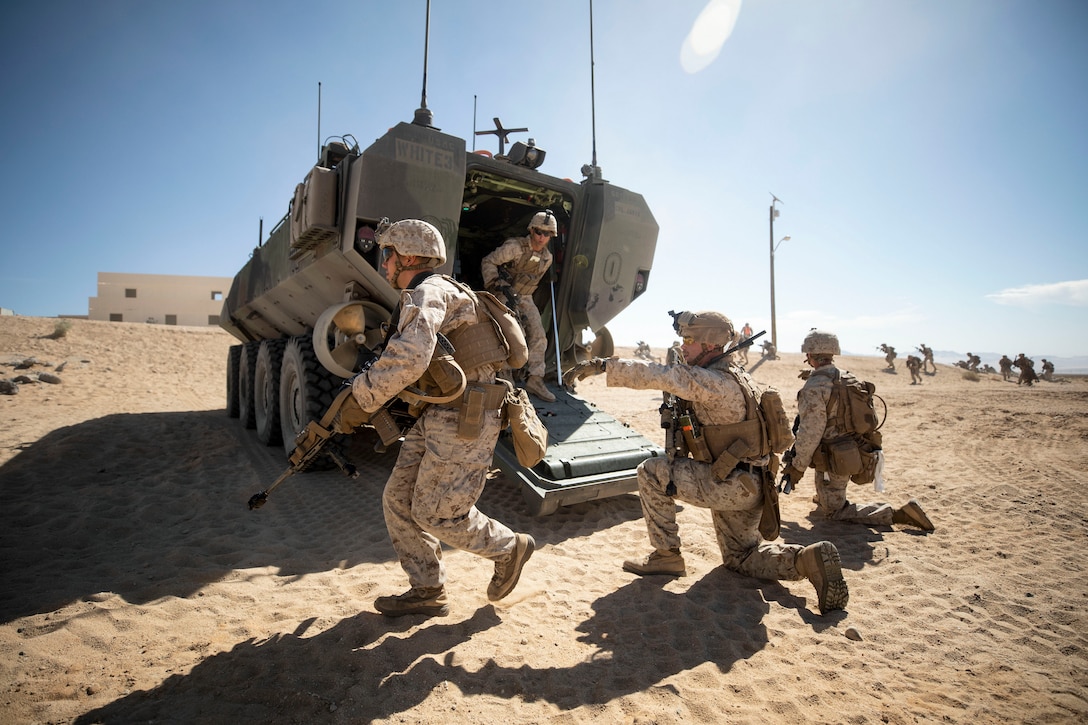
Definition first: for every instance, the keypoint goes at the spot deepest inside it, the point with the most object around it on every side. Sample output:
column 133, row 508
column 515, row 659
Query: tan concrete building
column 161, row 299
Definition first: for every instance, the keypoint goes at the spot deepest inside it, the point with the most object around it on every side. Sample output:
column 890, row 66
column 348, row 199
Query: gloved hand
column 584, row 369
column 791, row 477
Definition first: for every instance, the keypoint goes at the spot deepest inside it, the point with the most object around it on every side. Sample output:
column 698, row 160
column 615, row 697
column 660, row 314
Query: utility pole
column 774, row 329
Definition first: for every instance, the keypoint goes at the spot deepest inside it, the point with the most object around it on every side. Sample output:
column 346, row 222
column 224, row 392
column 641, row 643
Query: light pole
column 773, row 246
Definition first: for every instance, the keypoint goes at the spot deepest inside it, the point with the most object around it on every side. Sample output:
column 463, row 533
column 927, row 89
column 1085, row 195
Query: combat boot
column 819, row 563
column 429, row 601
column 911, row 514
column 535, row 385
column 508, row 569
column 661, row 561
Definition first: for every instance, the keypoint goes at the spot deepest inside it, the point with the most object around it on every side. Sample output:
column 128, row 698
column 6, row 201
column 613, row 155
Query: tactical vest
column 526, row 270
column 466, row 348
column 749, row 440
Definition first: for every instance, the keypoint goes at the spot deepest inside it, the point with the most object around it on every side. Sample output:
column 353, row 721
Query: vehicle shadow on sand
column 155, row 504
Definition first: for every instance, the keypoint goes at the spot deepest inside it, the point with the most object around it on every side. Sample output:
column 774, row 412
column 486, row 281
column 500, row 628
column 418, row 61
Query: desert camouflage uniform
column 736, row 503
column 927, row 354
column 817, row 426
column 914, row 364
column 526, row 267
column 431, row 494
column 1006, row 367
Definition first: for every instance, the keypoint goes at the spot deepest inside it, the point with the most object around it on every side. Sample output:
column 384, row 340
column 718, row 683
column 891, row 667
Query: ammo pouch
column 733, row 443
column 839, row 456
column 477, row 400
column 868, row 448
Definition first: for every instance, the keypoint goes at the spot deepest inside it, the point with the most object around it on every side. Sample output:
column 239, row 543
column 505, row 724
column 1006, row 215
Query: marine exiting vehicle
column 309, row 305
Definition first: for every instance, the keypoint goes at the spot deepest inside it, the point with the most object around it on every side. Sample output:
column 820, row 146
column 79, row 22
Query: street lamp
column 773, row 247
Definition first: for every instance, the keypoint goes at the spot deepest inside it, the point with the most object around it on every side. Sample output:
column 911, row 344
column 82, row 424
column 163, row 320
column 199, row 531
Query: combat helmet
column 820, row 342
column 544, row 220
column 707, row 326
column 415, row 237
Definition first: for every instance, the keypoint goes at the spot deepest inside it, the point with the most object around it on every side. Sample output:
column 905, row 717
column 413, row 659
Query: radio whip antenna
column 319, row 120
column 592, row 89
column 423, row 116
column 591, row 171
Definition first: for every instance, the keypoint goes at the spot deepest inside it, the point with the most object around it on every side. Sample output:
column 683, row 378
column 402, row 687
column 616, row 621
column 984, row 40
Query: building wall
column 162, row 299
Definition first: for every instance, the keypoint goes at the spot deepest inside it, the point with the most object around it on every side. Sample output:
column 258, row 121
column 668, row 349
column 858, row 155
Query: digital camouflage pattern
column 736, row 503
column 818, row 424
column 435, row 305
column 526, row 268
column 431, row 494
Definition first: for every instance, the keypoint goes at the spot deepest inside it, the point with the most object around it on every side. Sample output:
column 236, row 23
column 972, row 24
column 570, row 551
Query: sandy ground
column 138, row 587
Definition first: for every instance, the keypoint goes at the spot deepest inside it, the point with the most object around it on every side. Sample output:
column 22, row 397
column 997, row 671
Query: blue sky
column 930, row 155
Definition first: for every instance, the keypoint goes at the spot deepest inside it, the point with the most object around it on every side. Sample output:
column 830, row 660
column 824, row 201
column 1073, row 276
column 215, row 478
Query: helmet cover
column 820, row 342
column 544, row 220
column 707, row 326
column 415, row 237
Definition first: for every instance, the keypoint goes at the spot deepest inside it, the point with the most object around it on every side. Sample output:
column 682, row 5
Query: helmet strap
column 708, row 356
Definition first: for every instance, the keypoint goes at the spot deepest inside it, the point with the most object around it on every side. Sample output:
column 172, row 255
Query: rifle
column 744, row 343
column 343, row 416
column 787, row 460
column 508, row 292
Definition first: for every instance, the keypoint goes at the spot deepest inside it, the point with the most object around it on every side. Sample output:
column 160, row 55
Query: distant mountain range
column 1077, row 365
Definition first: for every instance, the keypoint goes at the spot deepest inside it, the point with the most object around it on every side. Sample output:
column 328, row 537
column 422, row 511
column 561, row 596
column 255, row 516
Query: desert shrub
column 971, row 375
column 60, row 330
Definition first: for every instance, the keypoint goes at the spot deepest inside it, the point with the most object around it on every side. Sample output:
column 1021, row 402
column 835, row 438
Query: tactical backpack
column 855, row 453
column 857, row 404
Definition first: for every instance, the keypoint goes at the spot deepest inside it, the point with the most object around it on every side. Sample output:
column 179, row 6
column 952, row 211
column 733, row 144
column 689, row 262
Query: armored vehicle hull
column 311, row 298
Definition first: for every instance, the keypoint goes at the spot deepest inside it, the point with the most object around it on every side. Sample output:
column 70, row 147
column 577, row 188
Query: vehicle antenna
column 591, row 171
column 319, row 120
column 592, row 89
column 474, row 122
column 423, row 116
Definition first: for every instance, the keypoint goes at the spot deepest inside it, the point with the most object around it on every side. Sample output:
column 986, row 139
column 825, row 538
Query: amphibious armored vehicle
column 311, row 297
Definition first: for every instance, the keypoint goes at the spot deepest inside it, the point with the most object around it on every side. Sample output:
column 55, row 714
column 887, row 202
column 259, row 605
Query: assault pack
column 856, row 403
column 852, row 407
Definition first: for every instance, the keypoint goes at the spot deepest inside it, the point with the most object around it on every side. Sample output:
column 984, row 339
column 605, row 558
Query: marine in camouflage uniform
column 927, row 358
column 821, row 420
column 914, row 364
column 1027, row 370
column 431, row 495
column 889, row 355
column 717, row 399
column 523, row 261
column 1005, row 363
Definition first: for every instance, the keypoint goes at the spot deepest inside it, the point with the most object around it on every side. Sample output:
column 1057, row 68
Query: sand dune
column 138, row 587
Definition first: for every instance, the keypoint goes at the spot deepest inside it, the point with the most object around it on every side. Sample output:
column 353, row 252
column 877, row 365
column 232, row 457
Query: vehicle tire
column 247, row 363
column 307, row 389
column 266, row 387
column 233, row 355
